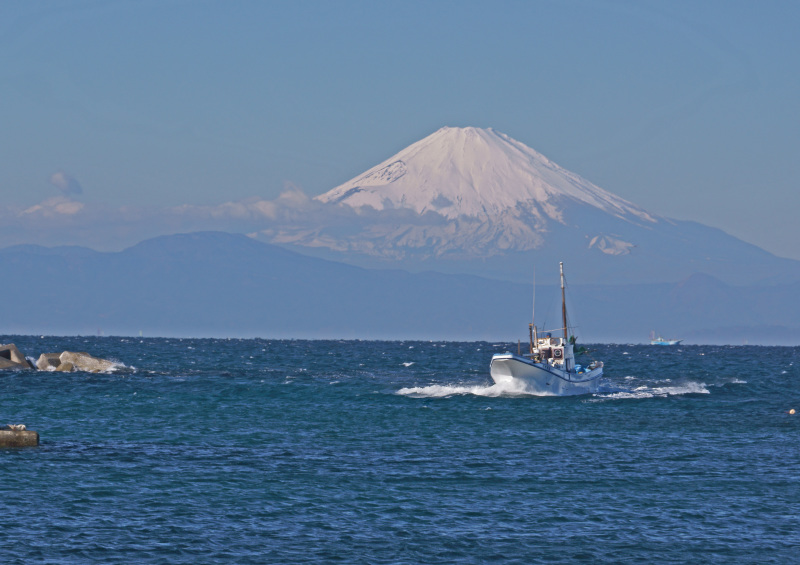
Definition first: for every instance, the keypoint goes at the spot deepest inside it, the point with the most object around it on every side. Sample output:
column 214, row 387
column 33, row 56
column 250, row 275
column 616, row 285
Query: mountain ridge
column 212, row 284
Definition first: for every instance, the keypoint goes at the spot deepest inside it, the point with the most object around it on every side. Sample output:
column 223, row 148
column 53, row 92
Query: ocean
column 289, row 451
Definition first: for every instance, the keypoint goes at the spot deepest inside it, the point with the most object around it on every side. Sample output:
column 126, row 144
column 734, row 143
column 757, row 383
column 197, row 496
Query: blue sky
column 689, row 109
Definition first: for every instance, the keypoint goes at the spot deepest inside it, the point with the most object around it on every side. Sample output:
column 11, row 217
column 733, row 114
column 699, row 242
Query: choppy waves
column 282, row 451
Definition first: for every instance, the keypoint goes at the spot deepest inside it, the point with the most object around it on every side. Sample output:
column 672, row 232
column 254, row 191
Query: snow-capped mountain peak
column 476, row 173
column 471, row 200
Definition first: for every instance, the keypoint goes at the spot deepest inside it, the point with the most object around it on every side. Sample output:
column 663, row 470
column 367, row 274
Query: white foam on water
column 657, row 391
column 121, row 365
column 117, row 366
column 444, row 391
column 495, row 390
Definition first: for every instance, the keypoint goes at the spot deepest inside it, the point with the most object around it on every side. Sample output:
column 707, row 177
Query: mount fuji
column 475, row 201
column 459, row 203
column 477, row 173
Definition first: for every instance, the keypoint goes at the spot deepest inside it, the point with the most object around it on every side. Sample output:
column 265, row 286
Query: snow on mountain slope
column 476, row 173
column 471, row 200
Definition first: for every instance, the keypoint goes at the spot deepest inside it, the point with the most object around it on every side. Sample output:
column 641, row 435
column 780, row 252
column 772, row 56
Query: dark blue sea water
column 265, row 451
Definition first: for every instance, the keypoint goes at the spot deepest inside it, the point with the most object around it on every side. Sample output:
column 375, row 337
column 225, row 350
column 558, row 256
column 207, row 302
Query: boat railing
column 550, row 331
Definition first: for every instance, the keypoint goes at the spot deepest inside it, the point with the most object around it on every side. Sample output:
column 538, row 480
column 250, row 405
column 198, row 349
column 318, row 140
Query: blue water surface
column 271, row 451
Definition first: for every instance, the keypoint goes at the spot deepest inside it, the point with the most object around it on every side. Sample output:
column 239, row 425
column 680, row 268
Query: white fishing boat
column 549, row 368
column 661, row 341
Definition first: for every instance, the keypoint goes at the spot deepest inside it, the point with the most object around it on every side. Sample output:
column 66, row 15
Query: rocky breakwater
column 73, row 361
column 11, row 358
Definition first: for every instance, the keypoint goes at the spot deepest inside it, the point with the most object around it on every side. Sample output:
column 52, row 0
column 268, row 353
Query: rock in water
column 48, row 361
column 7, row 364
column 82, row 361
column 18, row 436
column 12, row 358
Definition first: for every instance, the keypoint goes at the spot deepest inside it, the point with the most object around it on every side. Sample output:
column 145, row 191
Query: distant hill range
column 470, row 200
column 219, row 284
column 437, row 242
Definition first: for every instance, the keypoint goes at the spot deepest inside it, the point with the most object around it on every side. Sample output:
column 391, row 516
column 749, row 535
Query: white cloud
column 66, row 183
column 61, row 220
column 292, row 201
column 55, row 206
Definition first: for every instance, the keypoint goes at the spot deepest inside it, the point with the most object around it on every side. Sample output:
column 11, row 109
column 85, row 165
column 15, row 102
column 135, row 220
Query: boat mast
column 530, row 337
column 563, row 303
column 532, row 325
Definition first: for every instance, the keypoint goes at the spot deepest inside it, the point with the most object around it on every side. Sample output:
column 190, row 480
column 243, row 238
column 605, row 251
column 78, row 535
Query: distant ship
column 661, row 341
column 549, row 367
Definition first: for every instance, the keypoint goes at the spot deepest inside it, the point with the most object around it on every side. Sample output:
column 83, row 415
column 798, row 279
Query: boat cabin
column 554, row 351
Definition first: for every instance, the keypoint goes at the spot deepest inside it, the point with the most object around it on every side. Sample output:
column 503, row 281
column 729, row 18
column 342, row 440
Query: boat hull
column 524, row 375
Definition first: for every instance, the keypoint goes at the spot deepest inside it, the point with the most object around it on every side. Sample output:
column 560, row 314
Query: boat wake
column 444, row 391
column 645, row 391
column 606, row 392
